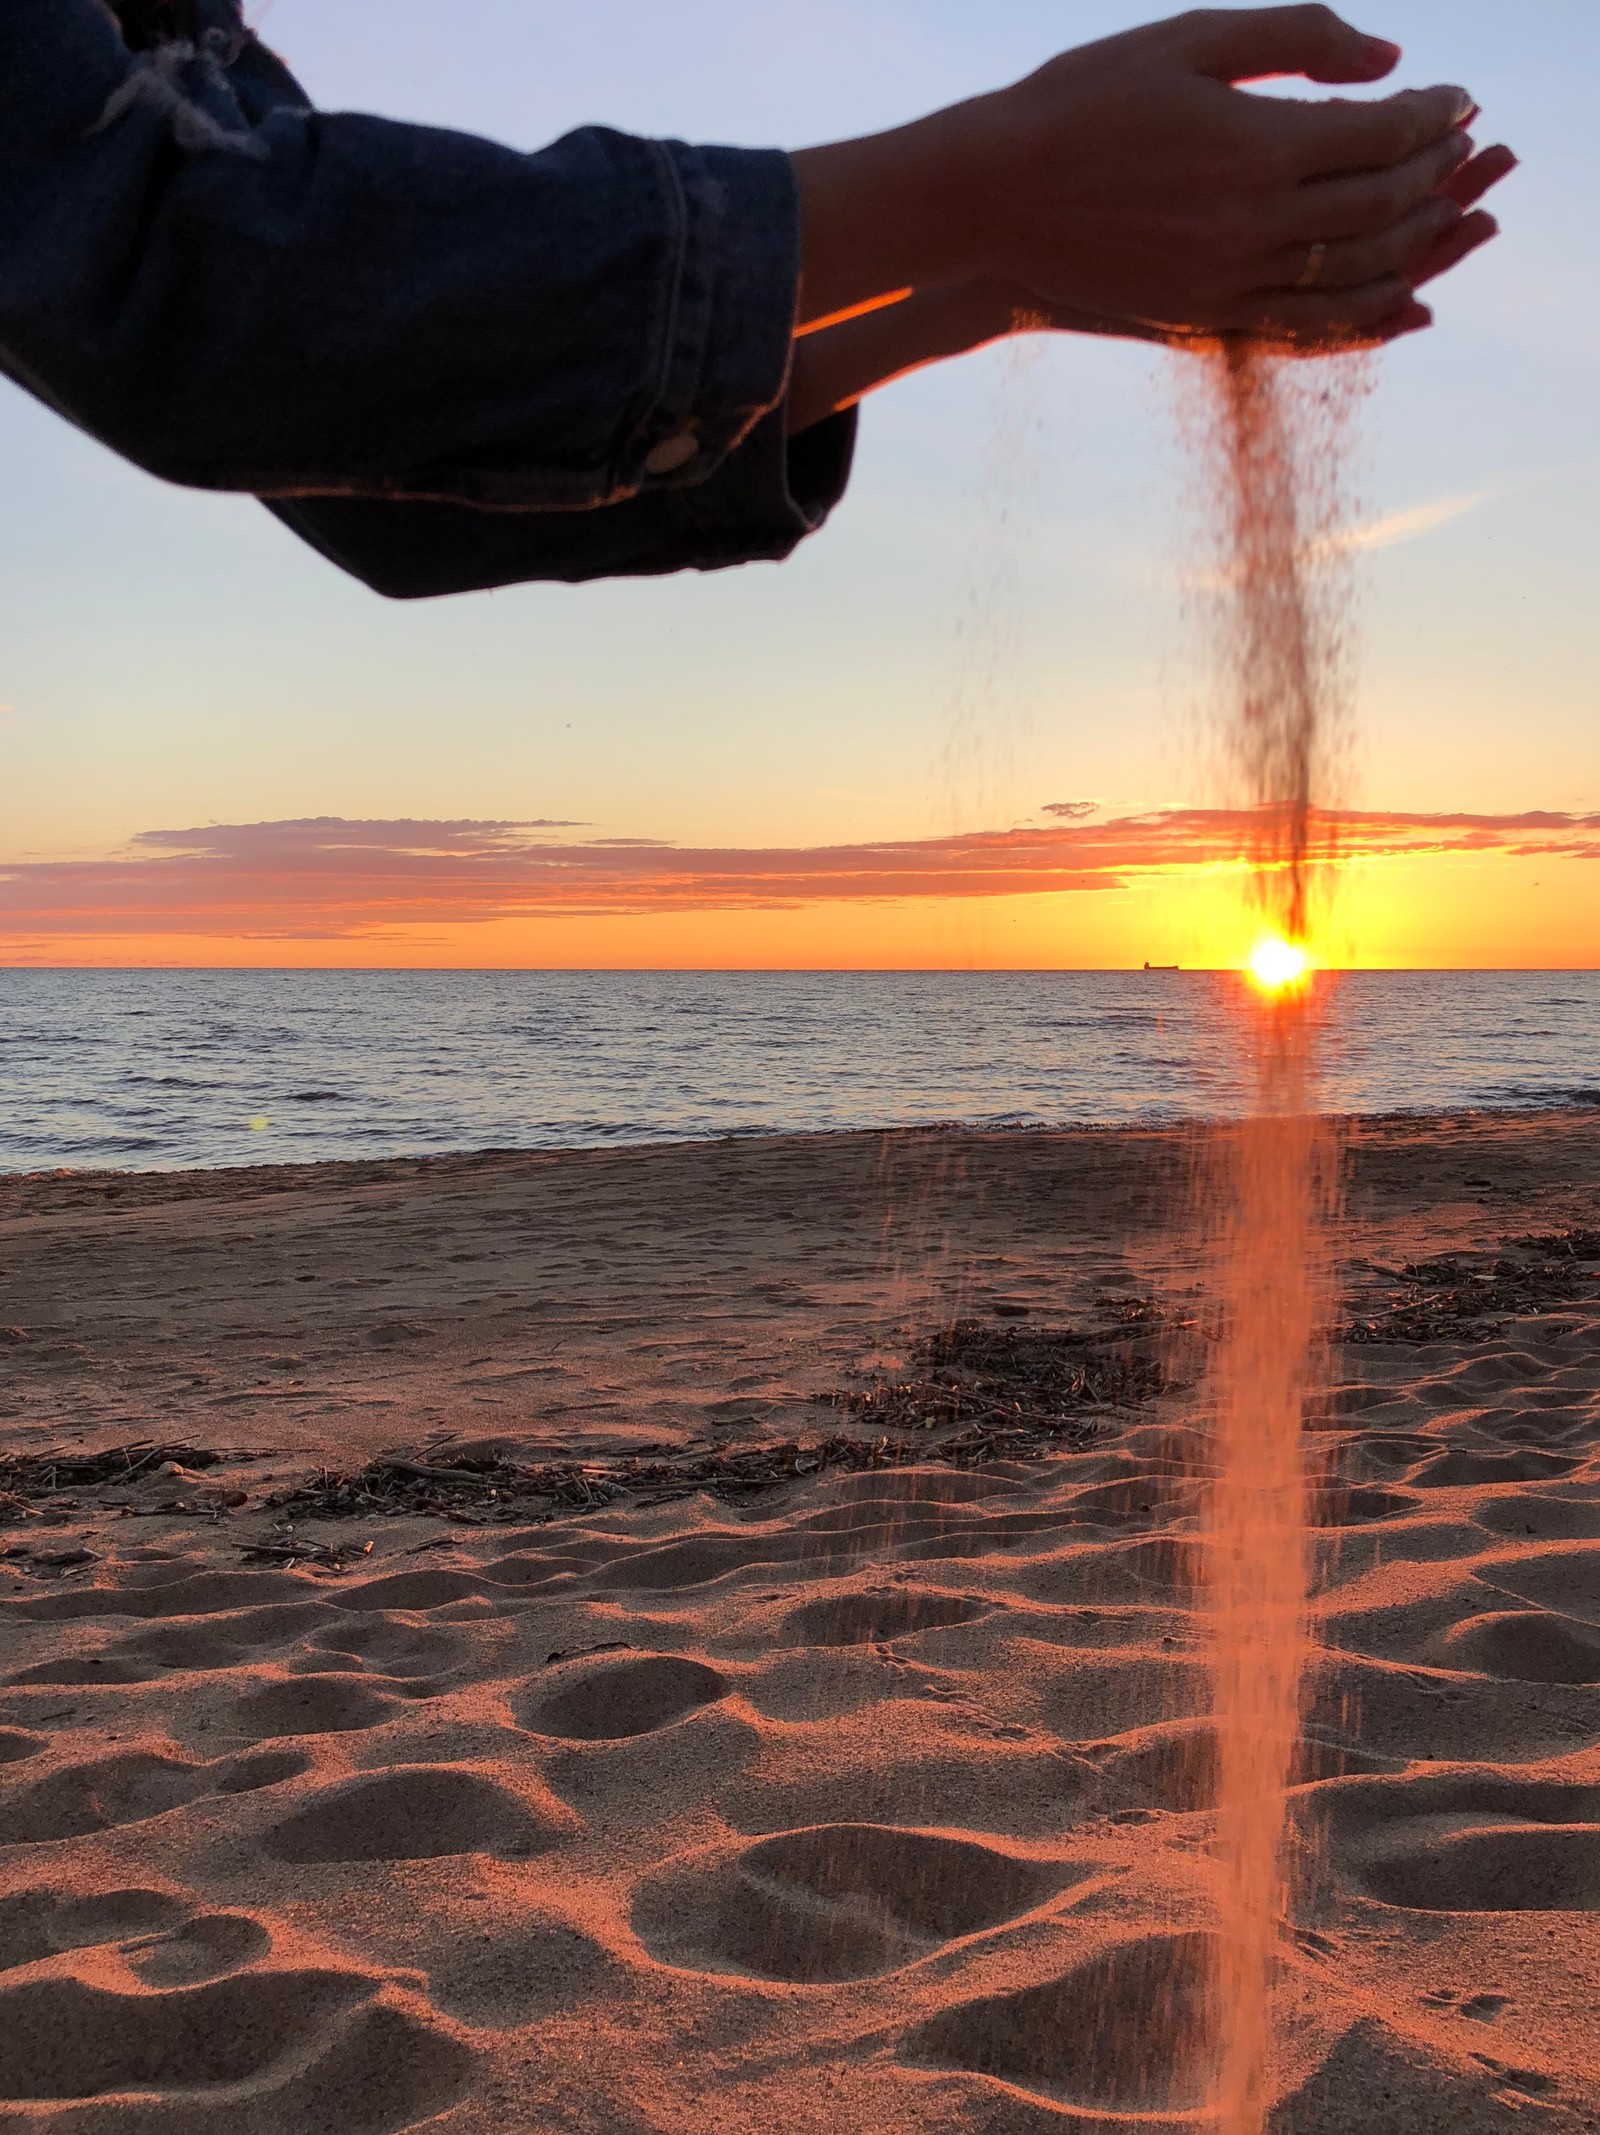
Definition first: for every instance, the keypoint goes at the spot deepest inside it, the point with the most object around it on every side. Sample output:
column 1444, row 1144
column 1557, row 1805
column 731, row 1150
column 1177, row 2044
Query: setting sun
column 1276, row 963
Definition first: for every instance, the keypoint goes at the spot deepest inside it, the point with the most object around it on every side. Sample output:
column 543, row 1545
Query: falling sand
column 1275, row 463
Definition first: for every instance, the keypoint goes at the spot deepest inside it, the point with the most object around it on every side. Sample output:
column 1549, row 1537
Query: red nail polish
column 1380, row 51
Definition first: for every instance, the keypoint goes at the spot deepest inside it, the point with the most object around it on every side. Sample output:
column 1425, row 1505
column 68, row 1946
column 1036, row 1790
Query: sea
column 163, row 1070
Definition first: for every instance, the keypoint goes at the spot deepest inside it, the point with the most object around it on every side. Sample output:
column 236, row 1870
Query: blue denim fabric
column 442, row 361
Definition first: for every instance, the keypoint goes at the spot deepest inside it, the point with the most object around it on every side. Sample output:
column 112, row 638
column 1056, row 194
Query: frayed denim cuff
column 730, row 323
column 769, row 493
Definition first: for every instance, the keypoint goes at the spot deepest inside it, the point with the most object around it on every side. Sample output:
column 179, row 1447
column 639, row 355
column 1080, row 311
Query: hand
column 837, row 367
column 1457, row 235
column 1133, row 180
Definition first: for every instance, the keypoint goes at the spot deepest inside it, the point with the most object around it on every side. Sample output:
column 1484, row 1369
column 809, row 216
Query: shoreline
column 609, row 1298
column 298, row 1170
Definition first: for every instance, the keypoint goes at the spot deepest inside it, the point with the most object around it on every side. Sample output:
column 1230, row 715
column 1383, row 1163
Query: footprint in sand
column 1533, row 1515
column 42, row 1921
column 82, row 1668
column 417, row 1813
column 269, row 1768
column 16, row 1745
column 620, row 1698
column 80, row 1799
column 279, row 2052
column 1463, row 1467
column 1421, row 2088
column 189, row 1593
column 387, row 1647
column 207, row 1947
column 836, row 1902
column 84, row 1798
column 539, row 1968
column 878, row 1616
column 1504, row 1869
column 409, row 1590
column 160, row 1943
column 313, row 1705
column 1124, row 2032
column 1360, row 1506
column 1526, row 1646
column 1563, row 1579
column 227, row 1641
column 1471, row 1843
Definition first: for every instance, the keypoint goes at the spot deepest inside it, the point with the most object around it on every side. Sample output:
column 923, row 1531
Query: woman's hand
column 1133, row 181
column 839, row 365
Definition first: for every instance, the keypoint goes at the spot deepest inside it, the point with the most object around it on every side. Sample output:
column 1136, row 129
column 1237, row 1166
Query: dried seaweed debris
column 1035, row 1381
column 1467, row 1297
column 977, row 1393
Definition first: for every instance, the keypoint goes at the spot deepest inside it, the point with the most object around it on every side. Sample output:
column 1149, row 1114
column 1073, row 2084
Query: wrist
column 888, row 212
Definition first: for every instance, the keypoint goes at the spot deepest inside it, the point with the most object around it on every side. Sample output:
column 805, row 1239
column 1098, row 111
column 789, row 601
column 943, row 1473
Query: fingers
column 1329, row 139
column 1354, row 261
column 1452, row 248
column 1255, row 44
column 1329, row 208
column 1468, row 185
column 1412, row 318
column 1325, row 318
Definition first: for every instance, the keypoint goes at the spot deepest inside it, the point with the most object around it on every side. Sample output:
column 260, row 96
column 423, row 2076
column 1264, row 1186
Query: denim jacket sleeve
column 767, row 495
column 238, row 292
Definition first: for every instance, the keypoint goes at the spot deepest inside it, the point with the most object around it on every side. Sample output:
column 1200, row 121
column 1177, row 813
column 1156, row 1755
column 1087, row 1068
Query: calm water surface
column 155, row 1070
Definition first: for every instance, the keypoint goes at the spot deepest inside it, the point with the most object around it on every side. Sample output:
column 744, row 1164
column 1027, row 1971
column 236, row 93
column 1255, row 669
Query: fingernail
column 1380, row 51
column 1467, row 117
column 1466, row 108
column 1459, row 148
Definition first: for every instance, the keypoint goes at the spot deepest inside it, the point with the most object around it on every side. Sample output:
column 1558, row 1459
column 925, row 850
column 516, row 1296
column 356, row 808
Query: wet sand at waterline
column 874, row 1798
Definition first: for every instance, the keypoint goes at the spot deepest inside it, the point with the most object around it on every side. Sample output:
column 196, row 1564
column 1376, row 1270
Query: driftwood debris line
column 972, row 1394
column 1468, row 1297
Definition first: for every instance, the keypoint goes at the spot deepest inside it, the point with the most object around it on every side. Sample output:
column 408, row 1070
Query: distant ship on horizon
column 1162, row 967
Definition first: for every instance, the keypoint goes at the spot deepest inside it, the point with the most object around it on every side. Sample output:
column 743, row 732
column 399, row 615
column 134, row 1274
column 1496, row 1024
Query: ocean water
column 158, row 1070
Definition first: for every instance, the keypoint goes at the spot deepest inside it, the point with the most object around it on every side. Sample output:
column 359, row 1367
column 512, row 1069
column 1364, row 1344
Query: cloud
column 1389, row 532
column 1071, row 811
column 1397, row 527
column 326, row 879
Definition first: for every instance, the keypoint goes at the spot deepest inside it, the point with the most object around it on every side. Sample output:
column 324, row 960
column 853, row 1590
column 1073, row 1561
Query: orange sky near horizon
column 1011, row 607
column 333, row 895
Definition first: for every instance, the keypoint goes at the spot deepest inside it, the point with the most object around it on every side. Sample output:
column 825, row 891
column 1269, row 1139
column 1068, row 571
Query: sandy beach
column 646, row 1760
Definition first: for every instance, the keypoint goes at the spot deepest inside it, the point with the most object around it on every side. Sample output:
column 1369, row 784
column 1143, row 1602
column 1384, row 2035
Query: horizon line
column 813, row 970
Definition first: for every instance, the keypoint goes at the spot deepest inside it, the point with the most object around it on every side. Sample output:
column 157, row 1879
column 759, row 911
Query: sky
column 963, row 726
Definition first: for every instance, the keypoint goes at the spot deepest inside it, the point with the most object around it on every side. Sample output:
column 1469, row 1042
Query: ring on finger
column 1311, row 273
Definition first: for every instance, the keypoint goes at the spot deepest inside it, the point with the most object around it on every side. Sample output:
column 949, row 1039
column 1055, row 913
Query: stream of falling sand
column 1275, row 468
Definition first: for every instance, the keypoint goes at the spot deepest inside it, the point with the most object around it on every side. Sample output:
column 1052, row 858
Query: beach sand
column 865, row 1801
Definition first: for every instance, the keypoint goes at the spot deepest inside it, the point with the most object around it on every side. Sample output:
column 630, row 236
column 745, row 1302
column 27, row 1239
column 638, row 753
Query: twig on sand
column 288, row 1551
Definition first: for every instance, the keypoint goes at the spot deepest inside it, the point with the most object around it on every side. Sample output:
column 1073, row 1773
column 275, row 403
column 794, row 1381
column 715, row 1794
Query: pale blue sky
column 171, row 659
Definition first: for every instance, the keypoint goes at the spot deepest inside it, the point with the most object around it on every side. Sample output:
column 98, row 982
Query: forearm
column 839, row 365
column 835, row 368
column 887, row 213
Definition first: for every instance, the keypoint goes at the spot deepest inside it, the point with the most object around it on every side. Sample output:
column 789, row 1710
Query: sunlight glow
column 1276, row 964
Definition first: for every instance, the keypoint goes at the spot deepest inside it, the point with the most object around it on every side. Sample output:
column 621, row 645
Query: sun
column 1276, row 964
